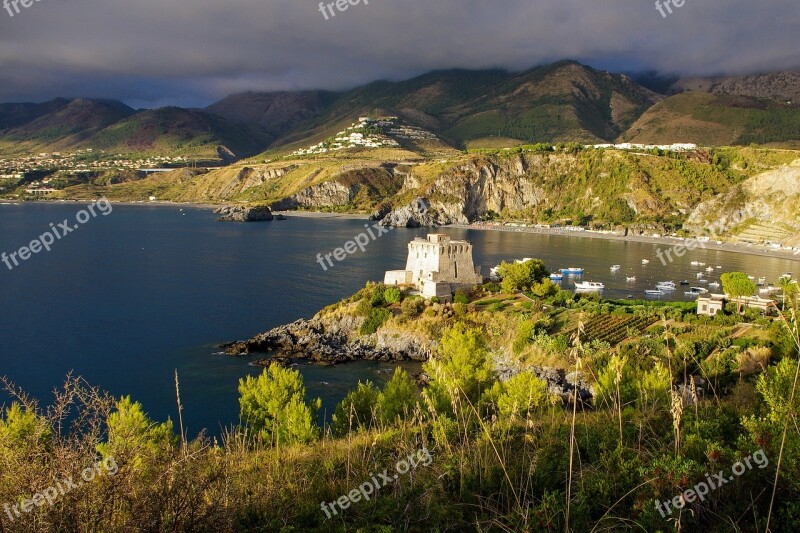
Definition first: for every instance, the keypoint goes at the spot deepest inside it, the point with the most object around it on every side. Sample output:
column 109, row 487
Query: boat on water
column 768, row 289
column 751, row 278
column 696, row 291
column 656, row 292
column 702, row 281
column 666, row 286
column 615, row 267
column 695, row 263
column 645, row 262
column 556, row 277
column 719, row 267
column 701, row 264
column 685, row 282
column 787, row 275
column 710, row 269
column 630, row 278
column 572, row 271
column 589, row 286
column 714, row 285
column 700, row 274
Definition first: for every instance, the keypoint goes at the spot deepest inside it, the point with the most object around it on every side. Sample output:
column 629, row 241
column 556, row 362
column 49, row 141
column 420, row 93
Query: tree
column 273, row 406
column 788, row 288
column 461, row 369
column 737, row 285
column 398, row 398
column 521, row 395
column 392, row 295
column 519, row 276
column 356, row 410
column 134, row 438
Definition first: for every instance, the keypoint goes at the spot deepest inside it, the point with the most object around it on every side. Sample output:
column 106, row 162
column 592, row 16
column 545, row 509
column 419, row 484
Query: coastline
column 665, row 242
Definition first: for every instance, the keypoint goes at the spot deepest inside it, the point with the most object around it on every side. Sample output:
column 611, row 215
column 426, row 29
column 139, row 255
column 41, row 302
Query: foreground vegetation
column 676, row 397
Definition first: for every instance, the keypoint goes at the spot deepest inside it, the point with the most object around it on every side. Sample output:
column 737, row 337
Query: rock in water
column 240, row 213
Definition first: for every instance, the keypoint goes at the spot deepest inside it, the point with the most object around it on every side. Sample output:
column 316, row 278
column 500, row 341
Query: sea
column 128, row 298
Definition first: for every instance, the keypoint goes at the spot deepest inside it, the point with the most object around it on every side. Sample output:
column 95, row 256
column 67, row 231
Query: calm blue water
column 131, row 296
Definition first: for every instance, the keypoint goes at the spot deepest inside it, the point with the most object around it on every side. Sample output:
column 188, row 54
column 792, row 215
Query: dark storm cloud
column 190, row 52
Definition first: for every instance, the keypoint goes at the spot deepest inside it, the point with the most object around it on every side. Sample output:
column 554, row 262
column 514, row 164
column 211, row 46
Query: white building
column 437, row 266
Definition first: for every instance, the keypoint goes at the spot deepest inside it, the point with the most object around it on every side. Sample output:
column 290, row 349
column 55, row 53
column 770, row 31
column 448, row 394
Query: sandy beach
column 664, row 242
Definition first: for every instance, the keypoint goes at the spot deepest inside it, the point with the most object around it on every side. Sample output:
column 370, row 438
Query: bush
column 356, row 410
column 461, row 297
column 273, row 406
column 398, row 398
column 521, row 395
column 376, row 318
column 412, row 307
column 392, row 295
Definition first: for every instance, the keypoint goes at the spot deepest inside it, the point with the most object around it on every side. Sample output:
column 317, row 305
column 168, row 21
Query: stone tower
column 437, row 266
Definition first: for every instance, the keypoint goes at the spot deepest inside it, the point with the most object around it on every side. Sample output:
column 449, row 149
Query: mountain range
column 560, row 102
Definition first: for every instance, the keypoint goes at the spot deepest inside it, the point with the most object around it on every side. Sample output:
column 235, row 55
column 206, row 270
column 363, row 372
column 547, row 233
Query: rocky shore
column 328, row 342
column 240, row 213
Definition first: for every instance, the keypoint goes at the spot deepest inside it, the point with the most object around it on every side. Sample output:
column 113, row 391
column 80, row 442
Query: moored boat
column 589, row 286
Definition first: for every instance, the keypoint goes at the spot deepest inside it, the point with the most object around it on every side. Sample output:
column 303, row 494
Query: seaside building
column 437, row 266
column 712, row 304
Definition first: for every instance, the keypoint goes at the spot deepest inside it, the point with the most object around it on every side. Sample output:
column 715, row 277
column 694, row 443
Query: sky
column 190, row 53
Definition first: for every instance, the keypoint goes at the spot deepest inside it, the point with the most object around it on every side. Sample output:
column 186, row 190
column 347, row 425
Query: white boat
column 696, row 291
column 694, row 263
column 645, row 262
column 701, row 264
column 666, row 286
column 768, row 289
column 630, row 278
column 719, row 267
column 710, row 269
column 751, row 278
column 615, row 267
column 702, row 281
column 654, row 293
column 788, row 275
column 589, row 286
column 700, row 274
column 714, row 285
column 556, row 277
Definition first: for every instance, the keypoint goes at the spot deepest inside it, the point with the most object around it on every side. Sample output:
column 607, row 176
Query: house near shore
column 711, row 304
column 437, row 267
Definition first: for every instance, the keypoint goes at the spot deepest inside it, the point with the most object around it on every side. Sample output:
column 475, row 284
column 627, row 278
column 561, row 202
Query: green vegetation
column 676, row 396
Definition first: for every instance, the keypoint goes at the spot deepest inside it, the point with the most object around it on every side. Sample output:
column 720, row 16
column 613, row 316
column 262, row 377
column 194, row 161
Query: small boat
column 696, row 291
column 719, row 267
column 645, row 262
column 768, row 289
column 700, row 274
column 685, row 282
column 695, row 263
column 654, row 292
column 702, row 281
column 589, row 286
column 710, row 269
column 666, row 286
column 630, row 278
column 701, row 264
column 556, row 277
column 751, row 278
column 614, row 268
column 714, row 285
column 572, row 271
column 787, row 275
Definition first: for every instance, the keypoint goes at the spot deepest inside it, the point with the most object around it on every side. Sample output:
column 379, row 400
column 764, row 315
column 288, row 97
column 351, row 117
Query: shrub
column 133, row 438
column 376, row 318
column 398, row 398
column 392, row 295
column 462, row 367
column 356, row 410
column 461, row 297
column 273, row 406
column 412, row 307
column 523, row 394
